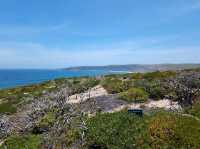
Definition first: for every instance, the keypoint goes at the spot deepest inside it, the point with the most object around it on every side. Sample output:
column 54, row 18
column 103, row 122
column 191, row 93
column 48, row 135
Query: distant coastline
column 21, row 77
column 136, row 67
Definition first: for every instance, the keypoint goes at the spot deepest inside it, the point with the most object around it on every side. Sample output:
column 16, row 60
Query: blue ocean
column 13, row 78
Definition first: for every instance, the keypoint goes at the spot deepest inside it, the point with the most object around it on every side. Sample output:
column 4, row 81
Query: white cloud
column 30, row 55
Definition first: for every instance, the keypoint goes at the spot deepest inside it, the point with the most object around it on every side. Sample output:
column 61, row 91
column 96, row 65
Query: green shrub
column 117, row 131
column 7, row 108
column 90, row 82
column 156, row 92
column 174, row 131
column 83, row 84
column 22, row 142
column 194, row 110
column 159, row 75
column 113, row 85
column 137, row 76
column 134, row 94
column 158, row 130
column 154, row 75
column 157, row 89
column 47, row 120
column 72, row 136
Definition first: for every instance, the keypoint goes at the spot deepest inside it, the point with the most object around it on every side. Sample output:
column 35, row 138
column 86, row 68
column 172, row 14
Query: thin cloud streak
column 38, row 56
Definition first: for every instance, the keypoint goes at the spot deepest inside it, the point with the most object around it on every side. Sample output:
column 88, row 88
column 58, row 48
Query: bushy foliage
column 13, row 98
column 116, row 131
column 155, row 88
column 154, row 75
column 194, row 110
column 187, row 88
column 159, row 75
column 82, row 84
column 134, row 95
column 113, row 85
column 22, row 142
column 7, row 108
column 72, row 135
column 174, row 131
column 159, row 130
column 48, row 120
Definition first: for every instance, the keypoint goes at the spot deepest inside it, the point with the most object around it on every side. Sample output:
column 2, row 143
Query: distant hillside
column 137, row 67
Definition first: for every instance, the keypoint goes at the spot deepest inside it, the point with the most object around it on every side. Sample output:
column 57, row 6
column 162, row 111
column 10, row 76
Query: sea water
column 13, row 78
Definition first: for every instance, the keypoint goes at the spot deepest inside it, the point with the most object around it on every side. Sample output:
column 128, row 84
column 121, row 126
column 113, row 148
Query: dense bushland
column 11, row 99
column 68, row 125
column 181, row 86
column 159, row 130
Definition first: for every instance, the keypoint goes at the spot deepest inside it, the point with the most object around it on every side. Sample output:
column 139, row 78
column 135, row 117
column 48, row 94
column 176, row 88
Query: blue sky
column 62, row 33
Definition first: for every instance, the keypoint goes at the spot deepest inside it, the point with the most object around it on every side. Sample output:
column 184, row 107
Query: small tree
column 187, row 88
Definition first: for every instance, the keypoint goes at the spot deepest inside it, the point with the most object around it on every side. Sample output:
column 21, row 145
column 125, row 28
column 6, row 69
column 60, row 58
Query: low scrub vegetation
column 194, row 110
column 67, row 125
column 7, row 108
column 47, row 121
column 159, row 130
column 134, row 95
column 113, row 85
column 21, row 142
column 174, row 131
column 182, row 86
column 117, row 130
column 11, row 99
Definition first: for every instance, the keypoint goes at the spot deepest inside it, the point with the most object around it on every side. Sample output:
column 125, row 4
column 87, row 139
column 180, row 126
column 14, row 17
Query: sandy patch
column 92, row 93
column 165, row 104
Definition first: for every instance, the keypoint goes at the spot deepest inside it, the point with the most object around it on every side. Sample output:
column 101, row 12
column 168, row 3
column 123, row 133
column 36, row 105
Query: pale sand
column 92, row 93
column 165, row 104
column 100, row 91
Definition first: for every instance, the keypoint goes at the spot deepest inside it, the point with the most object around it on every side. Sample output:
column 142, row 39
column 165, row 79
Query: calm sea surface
column 13, row 78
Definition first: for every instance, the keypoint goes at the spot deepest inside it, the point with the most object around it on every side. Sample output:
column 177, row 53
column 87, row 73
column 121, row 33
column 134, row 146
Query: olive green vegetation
column 159, row 130
column 158, row 75
column 134, row 95
column 72, row 136
column 79, row 85
column 113, row 85
column 21, row 142
column 7, row 108
column 117, row 130
column 48, row 119
column 193, row 69
column 174, row 131
column 11, row 99
column 153, row 83
column 157, row 89
column 194, row 110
